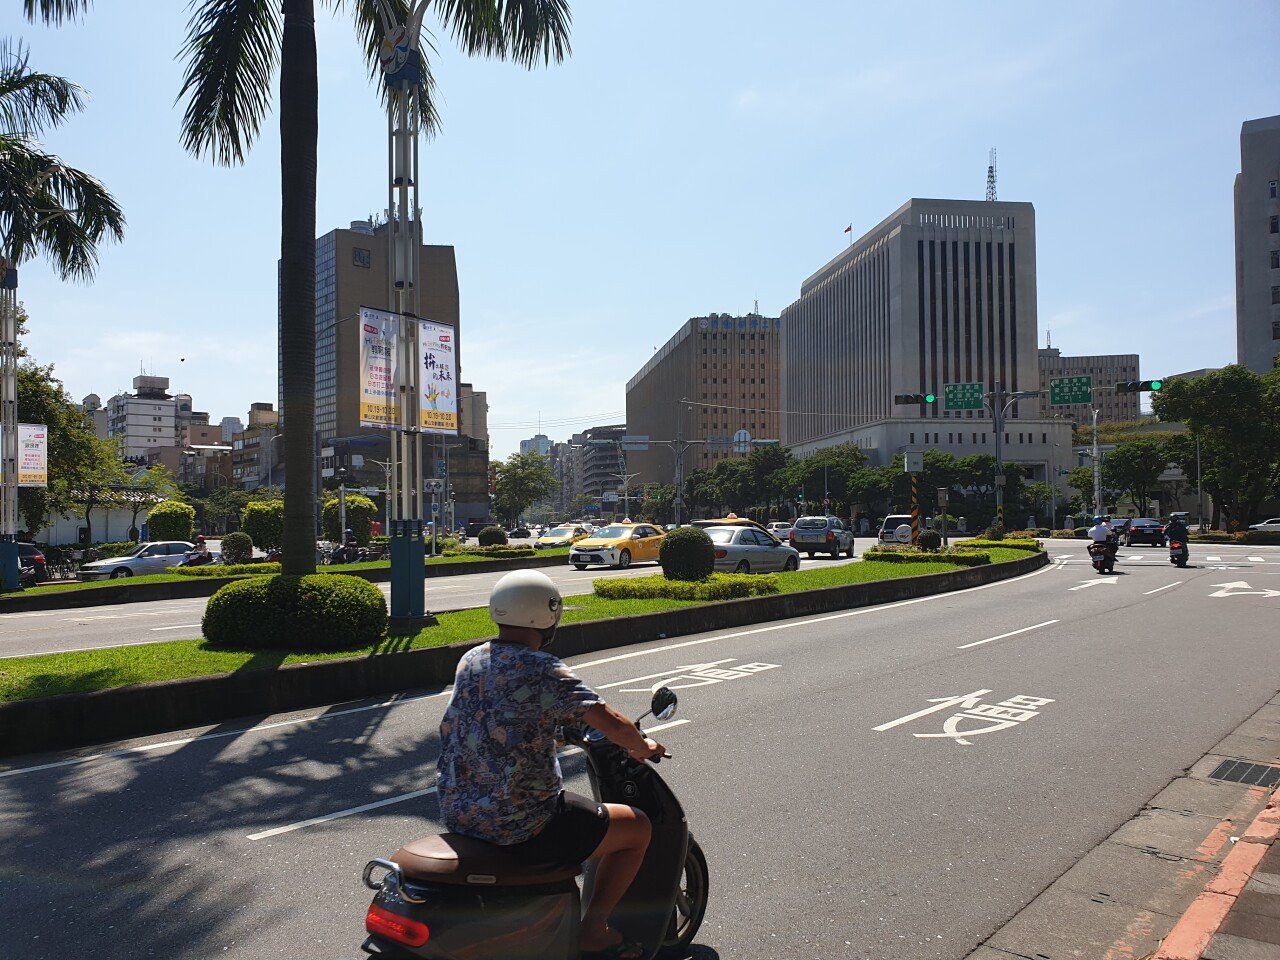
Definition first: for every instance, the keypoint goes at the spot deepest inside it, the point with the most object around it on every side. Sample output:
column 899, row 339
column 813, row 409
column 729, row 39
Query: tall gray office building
column 941, row 292
column 1257, row 198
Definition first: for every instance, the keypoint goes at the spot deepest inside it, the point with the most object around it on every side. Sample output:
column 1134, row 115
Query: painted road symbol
column 1086, row 584
column 996, row 716
column 1241, row 589
column 693, row 675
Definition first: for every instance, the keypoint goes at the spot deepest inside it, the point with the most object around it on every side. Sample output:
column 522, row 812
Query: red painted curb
column 1190, row 936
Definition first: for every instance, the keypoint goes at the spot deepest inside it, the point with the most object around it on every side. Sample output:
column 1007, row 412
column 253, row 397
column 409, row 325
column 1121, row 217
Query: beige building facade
column 1106, row 370
column 727, row 369
column 1257, row 209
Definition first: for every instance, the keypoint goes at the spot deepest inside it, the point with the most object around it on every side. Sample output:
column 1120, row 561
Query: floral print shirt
column 499, row 777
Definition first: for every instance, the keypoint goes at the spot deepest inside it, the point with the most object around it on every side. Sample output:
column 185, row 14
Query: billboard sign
column 33, row 455
column 378, row 339
column 438, row 376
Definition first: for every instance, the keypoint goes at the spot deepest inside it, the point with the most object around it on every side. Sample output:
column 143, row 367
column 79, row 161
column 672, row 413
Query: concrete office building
column 351, row 271
column 539, row 443
column 941, row 291
column 96, row 416
column 1106, row 370
column 1257, row 201
column 143, row 420
column 598, row 465
column 230, row 427
column 256, row 456
column 728, row 369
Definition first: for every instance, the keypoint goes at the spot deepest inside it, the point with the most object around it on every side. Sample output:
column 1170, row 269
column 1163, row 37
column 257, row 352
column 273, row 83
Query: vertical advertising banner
column 438, row 385
column 33, row 455
column 378, row 329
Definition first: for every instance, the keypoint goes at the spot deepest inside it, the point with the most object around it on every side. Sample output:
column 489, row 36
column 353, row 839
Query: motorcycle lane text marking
column 996, row 716
column 693, row 675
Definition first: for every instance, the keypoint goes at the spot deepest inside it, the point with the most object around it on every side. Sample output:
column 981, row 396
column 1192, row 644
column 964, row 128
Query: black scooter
column 1178, row 553
column 450, row 897
column 1103, row 555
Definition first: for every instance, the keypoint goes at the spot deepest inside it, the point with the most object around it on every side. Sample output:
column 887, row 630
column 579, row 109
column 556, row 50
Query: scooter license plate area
column 500, row 923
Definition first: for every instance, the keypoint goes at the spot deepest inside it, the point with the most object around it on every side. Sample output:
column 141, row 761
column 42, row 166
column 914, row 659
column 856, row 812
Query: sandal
column 626, row 950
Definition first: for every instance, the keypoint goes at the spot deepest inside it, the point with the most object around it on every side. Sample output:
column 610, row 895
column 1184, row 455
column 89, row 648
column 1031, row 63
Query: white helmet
column 525, row 598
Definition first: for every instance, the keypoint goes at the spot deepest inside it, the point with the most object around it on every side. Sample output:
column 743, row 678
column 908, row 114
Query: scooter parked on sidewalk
column 1103, row 554
column 1178, row 553
column 449, row 897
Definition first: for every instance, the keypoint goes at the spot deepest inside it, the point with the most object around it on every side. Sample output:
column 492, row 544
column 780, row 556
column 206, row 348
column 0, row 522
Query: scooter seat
column 451, row 858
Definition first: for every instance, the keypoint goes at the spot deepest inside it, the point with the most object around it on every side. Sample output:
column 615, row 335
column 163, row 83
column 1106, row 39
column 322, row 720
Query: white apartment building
column 145, row 420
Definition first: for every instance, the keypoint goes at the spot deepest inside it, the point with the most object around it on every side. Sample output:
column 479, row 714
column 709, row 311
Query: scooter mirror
column 664, row 703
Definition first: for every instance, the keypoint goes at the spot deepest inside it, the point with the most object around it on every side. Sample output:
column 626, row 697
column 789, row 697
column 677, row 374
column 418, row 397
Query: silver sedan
column 751, row 550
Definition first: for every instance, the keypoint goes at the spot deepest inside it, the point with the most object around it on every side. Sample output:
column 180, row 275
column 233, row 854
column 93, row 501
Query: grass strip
column 46, row 675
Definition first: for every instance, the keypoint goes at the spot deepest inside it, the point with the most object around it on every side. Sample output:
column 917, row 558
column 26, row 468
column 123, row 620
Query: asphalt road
column 111, row 625
column 859, row 789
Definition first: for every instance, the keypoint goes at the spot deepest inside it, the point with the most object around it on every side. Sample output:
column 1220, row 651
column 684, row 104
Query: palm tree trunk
column 298, row 137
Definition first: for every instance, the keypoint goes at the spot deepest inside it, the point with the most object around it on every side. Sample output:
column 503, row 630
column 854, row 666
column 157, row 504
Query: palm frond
column 232, row 49
column 524, row 31
column 53, row 12
column 371, row 20
column 32, row 102
column 51, row 208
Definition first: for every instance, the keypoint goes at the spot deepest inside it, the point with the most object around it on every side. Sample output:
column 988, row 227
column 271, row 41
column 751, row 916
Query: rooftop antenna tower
column 991, row 175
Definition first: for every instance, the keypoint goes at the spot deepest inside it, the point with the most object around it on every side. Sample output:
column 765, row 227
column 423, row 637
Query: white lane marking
column 577, row 666
column 1214, row 559
column 147, row 748
column 1165, row 587
column 181, row 626
column 1086, row 584
column 1256, row 559
column 940, row 703
column 1242, row 589
column 1014, row 633
column 803, row 623
column 401, row 798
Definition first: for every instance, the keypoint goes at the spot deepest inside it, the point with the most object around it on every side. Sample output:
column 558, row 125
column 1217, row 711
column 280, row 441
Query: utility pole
column 342, row 505
column 996, row 402
column 1097, row 467
column 625, row 479
column 9, row 424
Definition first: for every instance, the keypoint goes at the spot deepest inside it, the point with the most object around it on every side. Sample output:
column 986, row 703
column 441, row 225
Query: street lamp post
column 995, row 402
column 387, row 467
column 625, row 479
column 342, row 505
column 271, row 470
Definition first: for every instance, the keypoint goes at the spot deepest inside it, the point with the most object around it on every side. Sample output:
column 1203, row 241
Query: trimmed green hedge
column 227, row 569
column 491, row 553
column 718, row 586
column 492, row 536
column 322, row 611
column 970, row 558
column 1259, row 538
column 1031, row 546
column 687, row 553
column 171, row 520
column 237, row 548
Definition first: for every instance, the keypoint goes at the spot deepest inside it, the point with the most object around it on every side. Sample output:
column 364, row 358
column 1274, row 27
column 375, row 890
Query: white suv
column 888, row 529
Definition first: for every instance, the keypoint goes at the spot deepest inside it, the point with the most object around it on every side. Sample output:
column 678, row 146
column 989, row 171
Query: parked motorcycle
column 1178, row 553
column 450, row 897
column 1103, row 555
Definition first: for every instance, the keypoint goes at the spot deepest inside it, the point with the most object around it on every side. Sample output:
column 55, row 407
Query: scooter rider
column 1176, row 529
column 1102, row 533
column 499, row 777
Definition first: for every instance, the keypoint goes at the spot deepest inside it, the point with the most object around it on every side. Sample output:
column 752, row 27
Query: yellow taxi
column 561, row 536
column 617, row 545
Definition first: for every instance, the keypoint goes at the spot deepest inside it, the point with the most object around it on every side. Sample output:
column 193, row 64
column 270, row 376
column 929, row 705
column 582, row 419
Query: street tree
column 701, row 493
column 1134, row 468
column 263, row 521
column 147, row 488
column 825, row 472
column 232, row 50
column 522, row 479
column 735, row 480
column 1235, row 414
column 101, row 482
column 361, row 512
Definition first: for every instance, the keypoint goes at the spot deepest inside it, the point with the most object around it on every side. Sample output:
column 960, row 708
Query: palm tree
column 46, row 206
column 231, row 51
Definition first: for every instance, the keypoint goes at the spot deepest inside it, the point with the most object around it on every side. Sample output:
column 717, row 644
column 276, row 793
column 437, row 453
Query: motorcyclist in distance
column 1176, row 529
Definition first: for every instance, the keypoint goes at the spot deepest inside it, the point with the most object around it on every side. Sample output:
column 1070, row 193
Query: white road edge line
column 1012, row 633
column 412, row 795
column 1165, row 587
column 181, row 626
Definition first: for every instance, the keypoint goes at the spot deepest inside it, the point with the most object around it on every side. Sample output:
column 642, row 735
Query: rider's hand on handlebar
column 653, row 751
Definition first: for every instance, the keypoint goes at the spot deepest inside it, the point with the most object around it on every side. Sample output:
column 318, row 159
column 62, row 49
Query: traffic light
column 914, row 398
column 1138, row 386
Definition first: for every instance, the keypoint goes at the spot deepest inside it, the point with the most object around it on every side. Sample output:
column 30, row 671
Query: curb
column 208, row 586
column 1191, row 935
column 80, row 719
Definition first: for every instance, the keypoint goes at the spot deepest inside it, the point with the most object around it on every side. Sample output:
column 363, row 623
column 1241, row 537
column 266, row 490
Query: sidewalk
column 1237, row 917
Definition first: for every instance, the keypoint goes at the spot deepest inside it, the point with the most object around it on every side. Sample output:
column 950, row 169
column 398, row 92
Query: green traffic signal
column 1156, row 384
column 929, row 398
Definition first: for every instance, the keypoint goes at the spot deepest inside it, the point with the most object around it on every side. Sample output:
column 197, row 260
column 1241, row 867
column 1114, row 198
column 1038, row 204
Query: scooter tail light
column 381, row 922
column 721, row 554
column 1176, row 545
column 830, row 535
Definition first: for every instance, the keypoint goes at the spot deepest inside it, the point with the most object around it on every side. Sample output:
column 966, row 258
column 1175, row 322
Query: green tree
column 700, row 491
column 1134, row 468
column 522, row 479
column 361, row 512
column 100, row 483
column 1039, row 497
column 171, row 520
column 1236, row 415
column 736, row 483
column 580, row 506
column 145, row 489
column 263, row 521
column 825, row 471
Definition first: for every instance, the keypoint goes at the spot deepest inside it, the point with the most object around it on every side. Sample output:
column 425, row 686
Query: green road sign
column 1067, row 391
column 962, row 396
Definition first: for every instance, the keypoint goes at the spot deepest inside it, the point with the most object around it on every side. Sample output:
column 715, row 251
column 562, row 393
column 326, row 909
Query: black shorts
column 570, row 836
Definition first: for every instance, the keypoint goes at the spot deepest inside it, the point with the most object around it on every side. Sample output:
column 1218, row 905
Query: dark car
column 29, row 555
column 1141, row 530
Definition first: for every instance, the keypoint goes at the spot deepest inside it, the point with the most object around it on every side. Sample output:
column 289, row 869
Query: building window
column 1275, row 329
column 1275, row 259
column 1275, row 224
column 913, row 438
column 1271, row 188
column 1275, row 294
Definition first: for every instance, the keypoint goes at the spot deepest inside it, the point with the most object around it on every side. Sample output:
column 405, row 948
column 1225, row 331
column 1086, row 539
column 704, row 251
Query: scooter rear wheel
column 691, row 906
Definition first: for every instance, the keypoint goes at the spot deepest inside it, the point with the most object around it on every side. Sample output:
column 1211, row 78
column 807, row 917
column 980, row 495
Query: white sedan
column 751, row 550
column 1272, row 525
column 147, row 558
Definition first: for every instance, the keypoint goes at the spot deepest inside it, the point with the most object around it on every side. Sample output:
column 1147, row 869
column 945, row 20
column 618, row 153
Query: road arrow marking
column 1241, row 589
column 1086, row 584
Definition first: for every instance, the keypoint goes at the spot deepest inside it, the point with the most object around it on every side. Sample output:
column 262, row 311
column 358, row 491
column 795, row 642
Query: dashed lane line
column 1012, row 633
column 1165, row 587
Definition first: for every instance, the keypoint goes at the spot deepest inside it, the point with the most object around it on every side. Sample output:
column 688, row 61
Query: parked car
column 617, row 545
column 518, row 532
column 732, row 520
column 1272, row 525
column 822, row 535
column 147, row 558
column 29, row 555
column 748, row 549
column 1140, row 530
column 560, row 537
column 779, row 528
column 888, row 529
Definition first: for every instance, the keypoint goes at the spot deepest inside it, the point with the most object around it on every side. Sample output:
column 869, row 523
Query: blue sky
column 688, row 158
